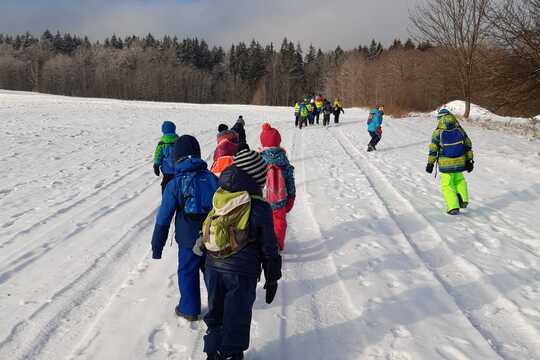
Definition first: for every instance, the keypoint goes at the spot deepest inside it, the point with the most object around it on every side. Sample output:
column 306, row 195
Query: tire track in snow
column 30, row 336
column 425, row 241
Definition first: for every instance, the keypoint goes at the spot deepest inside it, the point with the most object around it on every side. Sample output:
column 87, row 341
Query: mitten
column 156, row 169
column 429, row 168
column 271, row 290
column 469, row 166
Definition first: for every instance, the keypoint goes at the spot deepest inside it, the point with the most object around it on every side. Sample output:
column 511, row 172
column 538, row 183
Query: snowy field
column 373, row 268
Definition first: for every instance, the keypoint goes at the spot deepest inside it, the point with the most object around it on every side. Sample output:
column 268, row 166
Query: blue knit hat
column 186, row 145
column 443, row 112
column 168, row 128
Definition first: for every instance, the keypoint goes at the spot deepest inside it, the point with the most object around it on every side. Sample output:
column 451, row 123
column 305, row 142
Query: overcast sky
column 325, row 23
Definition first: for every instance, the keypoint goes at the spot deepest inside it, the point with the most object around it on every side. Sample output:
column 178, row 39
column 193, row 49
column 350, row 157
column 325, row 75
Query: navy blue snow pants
column 230, row 304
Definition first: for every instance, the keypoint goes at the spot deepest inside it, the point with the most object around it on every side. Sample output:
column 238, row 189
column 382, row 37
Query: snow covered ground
column 373, row 268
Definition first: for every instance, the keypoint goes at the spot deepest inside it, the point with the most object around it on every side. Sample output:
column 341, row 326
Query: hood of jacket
column 190, row 164
column 234, row 179
column 447, row 122
column 225, row 148
column 275, row 155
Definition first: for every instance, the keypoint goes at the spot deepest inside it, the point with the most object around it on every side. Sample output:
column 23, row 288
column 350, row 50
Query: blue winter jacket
column 278, row 156
column 375, row 120
column 264, row 249
column 187, row 230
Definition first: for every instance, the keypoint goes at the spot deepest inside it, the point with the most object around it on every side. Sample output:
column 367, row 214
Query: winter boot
column 237, row 356
column 453, row 212
column 370, row 148
column 462, row 204
column 190, row 318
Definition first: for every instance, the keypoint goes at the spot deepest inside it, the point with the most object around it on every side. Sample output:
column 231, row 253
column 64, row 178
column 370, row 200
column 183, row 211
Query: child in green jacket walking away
column 451, row 148
column 163, row 155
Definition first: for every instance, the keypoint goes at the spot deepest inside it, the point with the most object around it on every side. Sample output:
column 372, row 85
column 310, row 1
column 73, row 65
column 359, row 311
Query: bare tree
column 458, row 26
column 515, row 28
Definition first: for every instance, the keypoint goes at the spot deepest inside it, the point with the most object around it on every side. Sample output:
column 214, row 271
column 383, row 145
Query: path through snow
column 373, row 268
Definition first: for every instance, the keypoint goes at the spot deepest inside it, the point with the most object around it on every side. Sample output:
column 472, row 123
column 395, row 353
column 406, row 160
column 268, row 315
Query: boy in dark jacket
column 239, row 128
column 232, row 281
column 327, row 111
column 187, row 155
column 163, row 153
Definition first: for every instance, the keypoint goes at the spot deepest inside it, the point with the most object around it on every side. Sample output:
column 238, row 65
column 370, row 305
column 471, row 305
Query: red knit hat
column 270, row 137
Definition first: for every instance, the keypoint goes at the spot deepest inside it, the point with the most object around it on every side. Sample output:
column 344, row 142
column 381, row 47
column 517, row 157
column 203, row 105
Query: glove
column 469, row 165
column 272, row 269
column 198, row 248
column 290, row 204
column 429, row 168
column 271, row 290
column 156, row 169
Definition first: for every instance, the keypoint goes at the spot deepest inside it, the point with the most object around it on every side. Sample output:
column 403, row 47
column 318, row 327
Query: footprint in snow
column 401, row 332
column 399, row 355
column 451, row 353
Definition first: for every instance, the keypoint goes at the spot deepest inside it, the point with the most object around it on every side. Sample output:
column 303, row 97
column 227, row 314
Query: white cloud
column 323, row 23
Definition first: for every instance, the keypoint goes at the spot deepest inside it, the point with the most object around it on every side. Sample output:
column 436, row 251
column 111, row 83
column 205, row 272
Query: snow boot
column 370, row 148
column 462, row 204
column 453, row 212
column 238, row 356
column 190, row 318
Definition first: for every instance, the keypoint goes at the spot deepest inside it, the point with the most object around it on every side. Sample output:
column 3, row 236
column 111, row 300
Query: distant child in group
column 451, row 149
column 163, row 155
column 227, row 147
column 328, row 109
column 374, row 123
column 188, row 197
column 280, row 190
column 239, row 239
column 338, row 110
column 303, row 112
column 239, row 128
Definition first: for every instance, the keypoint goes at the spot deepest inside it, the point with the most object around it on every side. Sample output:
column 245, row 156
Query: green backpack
column 225, row 230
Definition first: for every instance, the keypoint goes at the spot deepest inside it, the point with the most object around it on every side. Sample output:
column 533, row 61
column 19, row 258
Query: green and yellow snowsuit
column 453, row 183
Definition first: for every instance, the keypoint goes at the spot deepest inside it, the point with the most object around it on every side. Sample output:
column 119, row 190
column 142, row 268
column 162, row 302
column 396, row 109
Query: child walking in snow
column 374, row 122
column 280, row 191
column 163, row 155
column 239, row 239
column 226, row 148
column 188, row 197
column 451, row 149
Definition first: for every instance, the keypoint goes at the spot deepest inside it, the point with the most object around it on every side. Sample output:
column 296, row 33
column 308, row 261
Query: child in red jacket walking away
column 280, row 190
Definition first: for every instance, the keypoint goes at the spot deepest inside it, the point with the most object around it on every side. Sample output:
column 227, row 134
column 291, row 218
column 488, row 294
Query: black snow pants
column 374, row 138
column 230, row 304
column 326, row 120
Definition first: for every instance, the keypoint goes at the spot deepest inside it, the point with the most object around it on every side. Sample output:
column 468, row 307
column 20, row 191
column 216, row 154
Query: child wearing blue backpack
column 163, row 155
column 451, row 149
column 188, row 197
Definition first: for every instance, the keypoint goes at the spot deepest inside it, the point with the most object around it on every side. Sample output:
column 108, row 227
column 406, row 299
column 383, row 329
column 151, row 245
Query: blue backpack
column 452, row 143
column 168, row 163
column 196, row 191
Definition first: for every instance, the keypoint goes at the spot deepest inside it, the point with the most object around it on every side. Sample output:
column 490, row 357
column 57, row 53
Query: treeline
column 404, row 76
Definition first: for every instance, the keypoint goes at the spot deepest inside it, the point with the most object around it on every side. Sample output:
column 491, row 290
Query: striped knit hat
column 252, row 163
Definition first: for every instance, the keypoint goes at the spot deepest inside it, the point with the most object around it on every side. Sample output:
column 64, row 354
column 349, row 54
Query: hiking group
column 230, row 224
column 231, row 218
column 308, row 111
